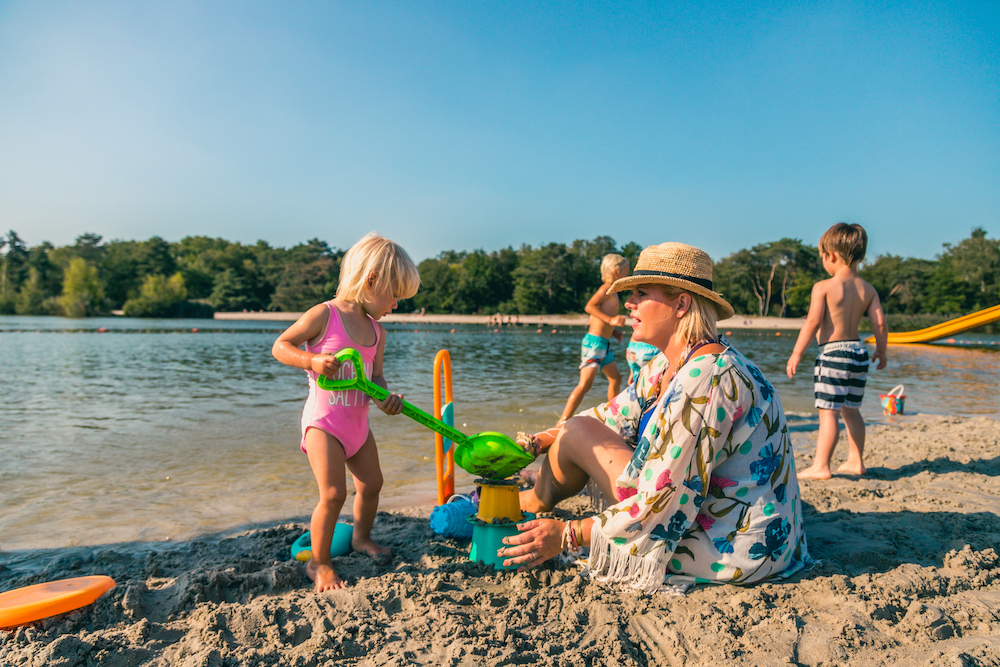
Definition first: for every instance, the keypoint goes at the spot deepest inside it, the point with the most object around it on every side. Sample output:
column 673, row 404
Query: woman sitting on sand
column 696, row 452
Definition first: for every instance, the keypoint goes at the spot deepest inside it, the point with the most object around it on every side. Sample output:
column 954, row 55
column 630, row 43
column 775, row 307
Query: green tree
column 976, row 262
column 33, row 298
column 541, row 282
column 304, row 284
column 13, row 269
column 159, row 296
column 81, row 295
column 120, row 272
column 900, row 282
column 772, row 278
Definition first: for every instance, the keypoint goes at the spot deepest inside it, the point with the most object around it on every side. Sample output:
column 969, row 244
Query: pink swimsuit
column 342, row 414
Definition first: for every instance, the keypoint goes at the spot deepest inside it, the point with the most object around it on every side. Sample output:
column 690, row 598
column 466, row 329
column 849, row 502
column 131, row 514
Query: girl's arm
column 393, row 404
column 287, row 349
column 817, row 306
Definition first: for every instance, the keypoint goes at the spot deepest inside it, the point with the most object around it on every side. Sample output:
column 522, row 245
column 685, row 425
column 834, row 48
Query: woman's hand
column 538, row 541
column 325, row 364
column 392, row 405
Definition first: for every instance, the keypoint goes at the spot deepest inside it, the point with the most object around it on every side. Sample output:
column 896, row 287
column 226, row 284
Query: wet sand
column 909, row 575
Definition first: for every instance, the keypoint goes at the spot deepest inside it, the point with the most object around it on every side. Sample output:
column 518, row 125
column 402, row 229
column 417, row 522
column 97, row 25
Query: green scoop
column 488, row 454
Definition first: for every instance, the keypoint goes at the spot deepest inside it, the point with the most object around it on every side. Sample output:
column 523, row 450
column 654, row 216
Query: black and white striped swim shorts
column 840, row 374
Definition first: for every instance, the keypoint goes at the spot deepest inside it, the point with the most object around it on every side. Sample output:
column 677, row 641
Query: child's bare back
column 608, row 305
column 847, row 297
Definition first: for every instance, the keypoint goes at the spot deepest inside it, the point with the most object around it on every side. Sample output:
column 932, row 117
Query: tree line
column 200, row 275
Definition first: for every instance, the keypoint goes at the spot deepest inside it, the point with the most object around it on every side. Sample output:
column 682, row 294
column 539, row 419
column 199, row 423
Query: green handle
column 362, row 384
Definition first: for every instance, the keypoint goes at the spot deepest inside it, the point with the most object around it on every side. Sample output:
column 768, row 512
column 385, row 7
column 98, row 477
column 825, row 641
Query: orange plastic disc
column 33, row 603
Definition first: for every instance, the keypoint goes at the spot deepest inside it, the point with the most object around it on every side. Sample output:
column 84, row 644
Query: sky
column 467, row 125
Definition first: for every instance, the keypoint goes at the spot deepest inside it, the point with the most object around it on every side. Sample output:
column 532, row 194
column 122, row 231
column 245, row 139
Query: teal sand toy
column 340, row 545
column 487, row 539
column 488, row 454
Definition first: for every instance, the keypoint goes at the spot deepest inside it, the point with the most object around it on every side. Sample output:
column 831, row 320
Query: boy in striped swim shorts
column 835, row 310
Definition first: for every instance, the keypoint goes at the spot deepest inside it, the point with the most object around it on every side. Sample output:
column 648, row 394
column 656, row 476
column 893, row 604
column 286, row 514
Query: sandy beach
column 909, row 575
column 735, row 322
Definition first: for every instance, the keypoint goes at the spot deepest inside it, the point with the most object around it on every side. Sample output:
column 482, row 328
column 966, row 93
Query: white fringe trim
column 611, row 563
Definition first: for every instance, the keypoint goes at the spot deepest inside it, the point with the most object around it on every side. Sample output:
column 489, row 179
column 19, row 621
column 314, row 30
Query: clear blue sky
column 463, row 125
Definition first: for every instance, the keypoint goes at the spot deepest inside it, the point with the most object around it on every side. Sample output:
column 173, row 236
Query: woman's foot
column 527, row 478
column 324, row 576
column 814, row 472
column 530, row 502
column 381, row 555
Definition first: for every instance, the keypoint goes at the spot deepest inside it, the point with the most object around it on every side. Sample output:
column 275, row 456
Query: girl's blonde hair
column 610, row 264
column 392, row 267
column 699, row 321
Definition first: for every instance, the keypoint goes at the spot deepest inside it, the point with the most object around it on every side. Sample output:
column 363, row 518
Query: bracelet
column 565, row 543
column 579, row 530
column 573, row 537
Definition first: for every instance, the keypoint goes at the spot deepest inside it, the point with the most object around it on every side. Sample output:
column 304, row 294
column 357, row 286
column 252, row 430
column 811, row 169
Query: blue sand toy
column 340, row 545
column 450, row 519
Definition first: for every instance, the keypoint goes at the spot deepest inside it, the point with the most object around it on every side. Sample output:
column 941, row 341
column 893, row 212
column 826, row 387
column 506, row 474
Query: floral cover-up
column 710, row 495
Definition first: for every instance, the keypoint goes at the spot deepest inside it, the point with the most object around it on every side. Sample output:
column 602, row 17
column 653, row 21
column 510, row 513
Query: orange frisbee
column 32, row 603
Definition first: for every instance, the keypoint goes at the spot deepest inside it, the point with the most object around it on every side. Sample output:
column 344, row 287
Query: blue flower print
column 672, row 533
column 753, row 417
column 638, row 458
column 766, row 390
column 779, row 492
column 633, row 527
column 775, row 537
column 674, row 392
column 694, row 483
column 723, row 545
column 761, row 470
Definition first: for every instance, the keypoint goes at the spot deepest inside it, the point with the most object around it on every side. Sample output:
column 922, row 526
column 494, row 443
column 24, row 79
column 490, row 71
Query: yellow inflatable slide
column 949, row 328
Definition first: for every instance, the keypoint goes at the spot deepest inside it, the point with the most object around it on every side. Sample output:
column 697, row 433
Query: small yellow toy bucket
column 892, row 403
column 498, row 500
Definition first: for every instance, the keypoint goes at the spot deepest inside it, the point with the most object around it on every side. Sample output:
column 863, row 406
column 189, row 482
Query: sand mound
column 910, row 575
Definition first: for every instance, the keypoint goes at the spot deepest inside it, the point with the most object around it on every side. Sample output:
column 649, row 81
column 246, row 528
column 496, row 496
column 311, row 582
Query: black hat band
column 701, row 282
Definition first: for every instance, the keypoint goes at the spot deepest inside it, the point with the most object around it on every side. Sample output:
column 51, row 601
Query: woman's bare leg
column 584, row 449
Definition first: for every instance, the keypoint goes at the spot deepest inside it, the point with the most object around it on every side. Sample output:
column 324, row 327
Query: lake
column 150, row 431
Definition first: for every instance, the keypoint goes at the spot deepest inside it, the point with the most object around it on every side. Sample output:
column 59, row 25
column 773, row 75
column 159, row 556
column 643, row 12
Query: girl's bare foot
column 813, row 472
column 853, row 468
column 381, row 555
column 324, row 576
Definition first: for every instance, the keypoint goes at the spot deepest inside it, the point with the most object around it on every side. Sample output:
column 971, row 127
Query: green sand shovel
column 488, row 454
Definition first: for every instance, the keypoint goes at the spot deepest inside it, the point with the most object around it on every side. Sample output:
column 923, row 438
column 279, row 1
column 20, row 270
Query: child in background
column 637, row 355
column 595, row 349
column 841, row 370
column 374, row 275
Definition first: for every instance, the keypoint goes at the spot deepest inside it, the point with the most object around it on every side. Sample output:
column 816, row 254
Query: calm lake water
column 151, row 432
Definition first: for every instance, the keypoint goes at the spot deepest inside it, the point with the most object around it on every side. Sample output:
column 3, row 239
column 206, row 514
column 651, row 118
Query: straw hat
column 680, row 265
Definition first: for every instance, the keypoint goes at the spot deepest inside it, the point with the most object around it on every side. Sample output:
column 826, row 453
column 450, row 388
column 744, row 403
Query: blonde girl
column 374, row 275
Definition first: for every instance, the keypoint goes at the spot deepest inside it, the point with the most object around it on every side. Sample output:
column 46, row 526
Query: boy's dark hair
column 848, row 241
